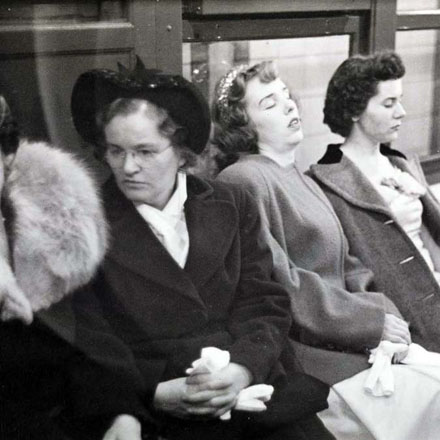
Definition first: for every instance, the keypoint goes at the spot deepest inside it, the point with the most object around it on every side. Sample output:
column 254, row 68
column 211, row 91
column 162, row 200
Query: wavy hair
column 353, row 84
column 235, row 134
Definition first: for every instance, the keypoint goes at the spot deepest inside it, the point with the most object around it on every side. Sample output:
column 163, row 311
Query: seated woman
column 337, row 319
column 388, row 213
column 186, row 269
column 52, row 239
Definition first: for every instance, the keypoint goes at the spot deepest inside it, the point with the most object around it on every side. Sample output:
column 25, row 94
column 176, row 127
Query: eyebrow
column 135, row 147
column 393, row 98
column 270, row 95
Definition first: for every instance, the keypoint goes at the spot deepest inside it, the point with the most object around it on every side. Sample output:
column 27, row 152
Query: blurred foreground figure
column 51, row 241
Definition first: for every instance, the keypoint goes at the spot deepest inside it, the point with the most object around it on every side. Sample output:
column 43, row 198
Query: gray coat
column 337, row 315
column 377, row 239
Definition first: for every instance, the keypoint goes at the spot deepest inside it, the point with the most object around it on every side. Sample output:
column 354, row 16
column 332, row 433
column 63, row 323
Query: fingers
column 202, row 396
column 198, row 379
column 399, row 357
column 200, row 410
column 202, row 382
column 396, row 330
column 228, row 400
column 216, row 407
column 215, row 380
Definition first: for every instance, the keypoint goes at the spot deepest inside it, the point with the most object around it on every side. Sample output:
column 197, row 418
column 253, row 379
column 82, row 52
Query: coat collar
column 334, row 153
column 211, row 224
column 344, row 178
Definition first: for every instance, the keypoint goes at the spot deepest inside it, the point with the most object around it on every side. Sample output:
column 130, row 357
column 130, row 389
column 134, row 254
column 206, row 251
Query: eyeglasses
column 116, row 157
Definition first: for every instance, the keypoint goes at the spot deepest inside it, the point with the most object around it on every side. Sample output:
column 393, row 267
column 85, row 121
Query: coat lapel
column 135, row 247
column 341, row 175
column 346, row 180
column 211, row 227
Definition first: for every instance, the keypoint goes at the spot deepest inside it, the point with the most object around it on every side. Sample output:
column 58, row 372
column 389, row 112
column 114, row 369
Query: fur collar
column 59, row 233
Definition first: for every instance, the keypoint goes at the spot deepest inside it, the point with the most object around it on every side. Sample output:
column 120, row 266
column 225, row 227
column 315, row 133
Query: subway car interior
column 46, row 45
column 236, row 279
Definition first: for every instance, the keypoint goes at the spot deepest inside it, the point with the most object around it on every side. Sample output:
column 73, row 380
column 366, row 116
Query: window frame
column 424, row 20
column 371, row 24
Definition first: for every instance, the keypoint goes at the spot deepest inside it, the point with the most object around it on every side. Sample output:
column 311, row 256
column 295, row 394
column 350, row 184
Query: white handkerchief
column 380, row 380
column 249, row 399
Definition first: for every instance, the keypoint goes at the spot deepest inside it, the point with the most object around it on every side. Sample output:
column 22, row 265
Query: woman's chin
column 296, row 140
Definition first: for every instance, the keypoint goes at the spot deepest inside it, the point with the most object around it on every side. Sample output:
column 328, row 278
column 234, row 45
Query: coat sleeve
column 260, row 318
column 105, row 381
column 324, row 315
column 359, row 278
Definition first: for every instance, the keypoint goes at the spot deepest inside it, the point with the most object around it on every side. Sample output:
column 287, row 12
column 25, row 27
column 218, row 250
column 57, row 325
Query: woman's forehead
column 257, row 90
column 133, row 128
column 391, row 88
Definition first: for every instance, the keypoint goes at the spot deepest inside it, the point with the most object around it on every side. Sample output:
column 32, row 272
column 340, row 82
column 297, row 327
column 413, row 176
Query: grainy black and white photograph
column 220, row 220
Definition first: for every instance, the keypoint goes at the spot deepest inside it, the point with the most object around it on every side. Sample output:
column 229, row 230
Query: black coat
column 158, row 316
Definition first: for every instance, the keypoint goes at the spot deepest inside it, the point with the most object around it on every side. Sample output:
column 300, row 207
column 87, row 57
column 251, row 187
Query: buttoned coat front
column 223, row 297
column 378, row 240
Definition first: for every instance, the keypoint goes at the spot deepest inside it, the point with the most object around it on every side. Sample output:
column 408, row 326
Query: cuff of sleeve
column 254, row 359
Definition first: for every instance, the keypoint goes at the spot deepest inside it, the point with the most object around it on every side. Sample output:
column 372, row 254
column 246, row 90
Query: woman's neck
column 363, row 152
column 282, row 158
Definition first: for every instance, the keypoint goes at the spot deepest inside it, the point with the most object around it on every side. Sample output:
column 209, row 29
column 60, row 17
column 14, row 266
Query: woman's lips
column 295, row 124
column 132, row 183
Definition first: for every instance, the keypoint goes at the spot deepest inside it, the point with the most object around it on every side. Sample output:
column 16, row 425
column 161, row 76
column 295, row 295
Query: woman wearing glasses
column 186, row 270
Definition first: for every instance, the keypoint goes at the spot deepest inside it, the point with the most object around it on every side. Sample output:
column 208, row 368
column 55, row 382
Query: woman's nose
column 289, row 105
column 400, row 111
column 130, row 165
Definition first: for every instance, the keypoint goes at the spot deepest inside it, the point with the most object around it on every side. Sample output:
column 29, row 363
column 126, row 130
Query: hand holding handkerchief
column 380, row 380
column 251, row 398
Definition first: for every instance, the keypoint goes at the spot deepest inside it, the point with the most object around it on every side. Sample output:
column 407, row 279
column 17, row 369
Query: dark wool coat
column 379, row 241
column 164, row 315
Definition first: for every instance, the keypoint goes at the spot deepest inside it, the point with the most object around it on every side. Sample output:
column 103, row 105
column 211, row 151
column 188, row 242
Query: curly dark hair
column 236, row 134
column 167, row 127
column 9, row 133
column 353, row 84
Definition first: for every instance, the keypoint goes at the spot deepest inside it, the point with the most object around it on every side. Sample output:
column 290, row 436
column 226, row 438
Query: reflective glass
column 39, row 12
column 420, row 51
column 305, row 65
column 419, row 5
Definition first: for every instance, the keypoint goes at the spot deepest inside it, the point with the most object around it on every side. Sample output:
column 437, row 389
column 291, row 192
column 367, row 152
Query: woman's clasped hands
column 210, row 394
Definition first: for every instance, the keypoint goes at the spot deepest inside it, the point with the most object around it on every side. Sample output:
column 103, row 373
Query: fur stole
column 59, row 230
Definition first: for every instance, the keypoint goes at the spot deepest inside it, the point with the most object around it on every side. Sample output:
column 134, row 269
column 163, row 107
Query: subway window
column 305, row 65
column 420, row 50
column 419, row 5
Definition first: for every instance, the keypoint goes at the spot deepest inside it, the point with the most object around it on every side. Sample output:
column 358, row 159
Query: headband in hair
column 222, row 92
